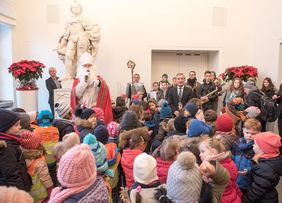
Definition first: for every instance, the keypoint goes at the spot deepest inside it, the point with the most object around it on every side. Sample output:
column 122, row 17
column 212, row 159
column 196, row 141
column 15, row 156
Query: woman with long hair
column 268, row 87
column 236, row 89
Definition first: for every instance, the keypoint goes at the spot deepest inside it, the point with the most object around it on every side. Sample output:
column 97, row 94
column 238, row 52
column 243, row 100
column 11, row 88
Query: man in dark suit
column 178, row 96
column 52, row 83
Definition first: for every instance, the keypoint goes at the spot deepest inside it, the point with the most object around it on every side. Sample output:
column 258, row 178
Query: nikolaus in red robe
column 90, row 90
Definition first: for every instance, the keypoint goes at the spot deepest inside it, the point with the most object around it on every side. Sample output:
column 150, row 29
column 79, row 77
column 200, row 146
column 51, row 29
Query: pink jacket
column 127, row 160
column 232, row 192
column 162, row 169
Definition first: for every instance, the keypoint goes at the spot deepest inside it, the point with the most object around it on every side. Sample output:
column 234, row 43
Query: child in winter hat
column 11, row 152
column 265, row 175
column 165, row 111
column 49, row 138
column 78, row 177
column 101, row 133
column 197, row 128
column 33, row 152
column 146, row 179
column 63, row 110
column 100, row 153
column 113, row 130
column 129, row 121
column 184, row 181
column 69, row 141
column 225, row 131
column 190, row 110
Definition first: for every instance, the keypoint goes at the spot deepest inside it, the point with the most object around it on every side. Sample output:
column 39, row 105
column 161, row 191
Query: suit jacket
column 51, row 85
column 173, row 98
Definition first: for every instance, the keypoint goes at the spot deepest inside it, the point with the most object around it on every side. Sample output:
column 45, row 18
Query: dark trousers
column 52, row 108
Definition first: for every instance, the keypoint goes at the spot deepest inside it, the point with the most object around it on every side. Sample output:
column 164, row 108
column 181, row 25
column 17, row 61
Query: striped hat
column 62, row 109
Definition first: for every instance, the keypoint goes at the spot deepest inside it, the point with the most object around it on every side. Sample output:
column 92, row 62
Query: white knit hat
column 184, row 181
column 144, row 169
column 62, row 109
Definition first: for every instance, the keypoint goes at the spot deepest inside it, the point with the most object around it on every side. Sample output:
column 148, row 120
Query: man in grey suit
column 52, row 83
column 178, row 96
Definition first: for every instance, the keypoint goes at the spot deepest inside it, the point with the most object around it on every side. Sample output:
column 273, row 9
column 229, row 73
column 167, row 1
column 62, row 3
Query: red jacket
column 127, row 160
column 162, row 169
column 232, row 193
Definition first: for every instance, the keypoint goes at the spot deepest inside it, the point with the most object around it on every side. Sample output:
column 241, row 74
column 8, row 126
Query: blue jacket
column 243, row 154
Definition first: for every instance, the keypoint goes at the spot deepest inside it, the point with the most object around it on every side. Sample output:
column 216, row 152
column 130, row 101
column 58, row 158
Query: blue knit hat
column 191, row 108
column 198, row 128
column 165, row 111
column 101, row 133
column 45, row 118
column 100, row 154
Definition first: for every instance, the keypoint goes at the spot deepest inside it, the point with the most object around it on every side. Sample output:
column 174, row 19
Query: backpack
column 269, row 109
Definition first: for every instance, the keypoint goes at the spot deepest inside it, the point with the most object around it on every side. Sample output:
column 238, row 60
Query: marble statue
column 80, row 36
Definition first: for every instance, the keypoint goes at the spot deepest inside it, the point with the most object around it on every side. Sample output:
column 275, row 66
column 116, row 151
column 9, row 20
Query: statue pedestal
column 27, row 99
column 62, row 95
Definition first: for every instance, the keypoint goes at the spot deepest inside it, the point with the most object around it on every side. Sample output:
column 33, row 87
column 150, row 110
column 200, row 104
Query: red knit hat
column 268, row 142
column 224, row 123
column 30, row 140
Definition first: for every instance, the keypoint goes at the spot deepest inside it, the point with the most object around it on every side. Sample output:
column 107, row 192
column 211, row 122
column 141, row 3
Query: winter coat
column 38, row 170
column 243, row 154
column 232, row 192
column 220, row 180
column 204, row 90
column 13, row 170
column 147, row 192
column 84, row 127
column 127, row 160
column 229, row 95
column 162, row 169
column 269, row 93
column 264, row 178
column 95, row 193
column 253, row 98
column 50, row 137
column 64, row 126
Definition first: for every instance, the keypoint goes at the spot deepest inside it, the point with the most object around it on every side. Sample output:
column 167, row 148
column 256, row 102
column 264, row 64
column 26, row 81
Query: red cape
column 103, row 99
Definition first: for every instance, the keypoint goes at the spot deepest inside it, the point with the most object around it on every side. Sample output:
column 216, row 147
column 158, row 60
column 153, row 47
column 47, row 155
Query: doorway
column 172, row 62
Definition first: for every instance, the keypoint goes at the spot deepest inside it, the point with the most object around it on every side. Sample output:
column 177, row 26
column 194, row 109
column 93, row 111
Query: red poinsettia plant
column 243, row 72
column 27, row 72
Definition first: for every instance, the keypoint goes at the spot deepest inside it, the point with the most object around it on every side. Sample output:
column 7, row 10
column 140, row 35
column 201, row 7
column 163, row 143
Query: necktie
column 180, row 93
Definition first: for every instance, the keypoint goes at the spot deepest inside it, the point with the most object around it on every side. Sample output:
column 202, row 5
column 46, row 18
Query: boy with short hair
column 244, row 153
column 13, row 170
column 265, row 175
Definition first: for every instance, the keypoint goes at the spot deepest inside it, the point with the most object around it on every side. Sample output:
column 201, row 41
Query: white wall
column 6, row 80
column 131, row 29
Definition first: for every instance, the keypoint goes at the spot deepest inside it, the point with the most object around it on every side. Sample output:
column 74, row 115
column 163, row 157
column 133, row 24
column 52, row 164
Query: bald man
column 52, row 83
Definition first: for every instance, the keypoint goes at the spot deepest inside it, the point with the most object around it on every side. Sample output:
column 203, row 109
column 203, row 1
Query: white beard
column 82, row 71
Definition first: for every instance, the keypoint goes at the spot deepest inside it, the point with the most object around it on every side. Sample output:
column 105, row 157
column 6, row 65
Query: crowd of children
column 144, row 155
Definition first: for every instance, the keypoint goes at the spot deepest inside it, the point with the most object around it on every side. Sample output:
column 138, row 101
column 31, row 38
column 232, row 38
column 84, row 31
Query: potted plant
column 26, row 72
column 243, row 72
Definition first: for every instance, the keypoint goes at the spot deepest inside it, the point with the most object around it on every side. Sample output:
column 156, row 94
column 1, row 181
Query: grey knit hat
column 129, row 121
column 184, row 181
column 62, row 109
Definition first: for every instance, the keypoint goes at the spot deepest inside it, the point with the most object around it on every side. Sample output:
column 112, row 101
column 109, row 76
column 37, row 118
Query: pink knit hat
column 113, row 128
column 12, row 194
column 268, row 142
column 99, row 113
column 77, row 172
